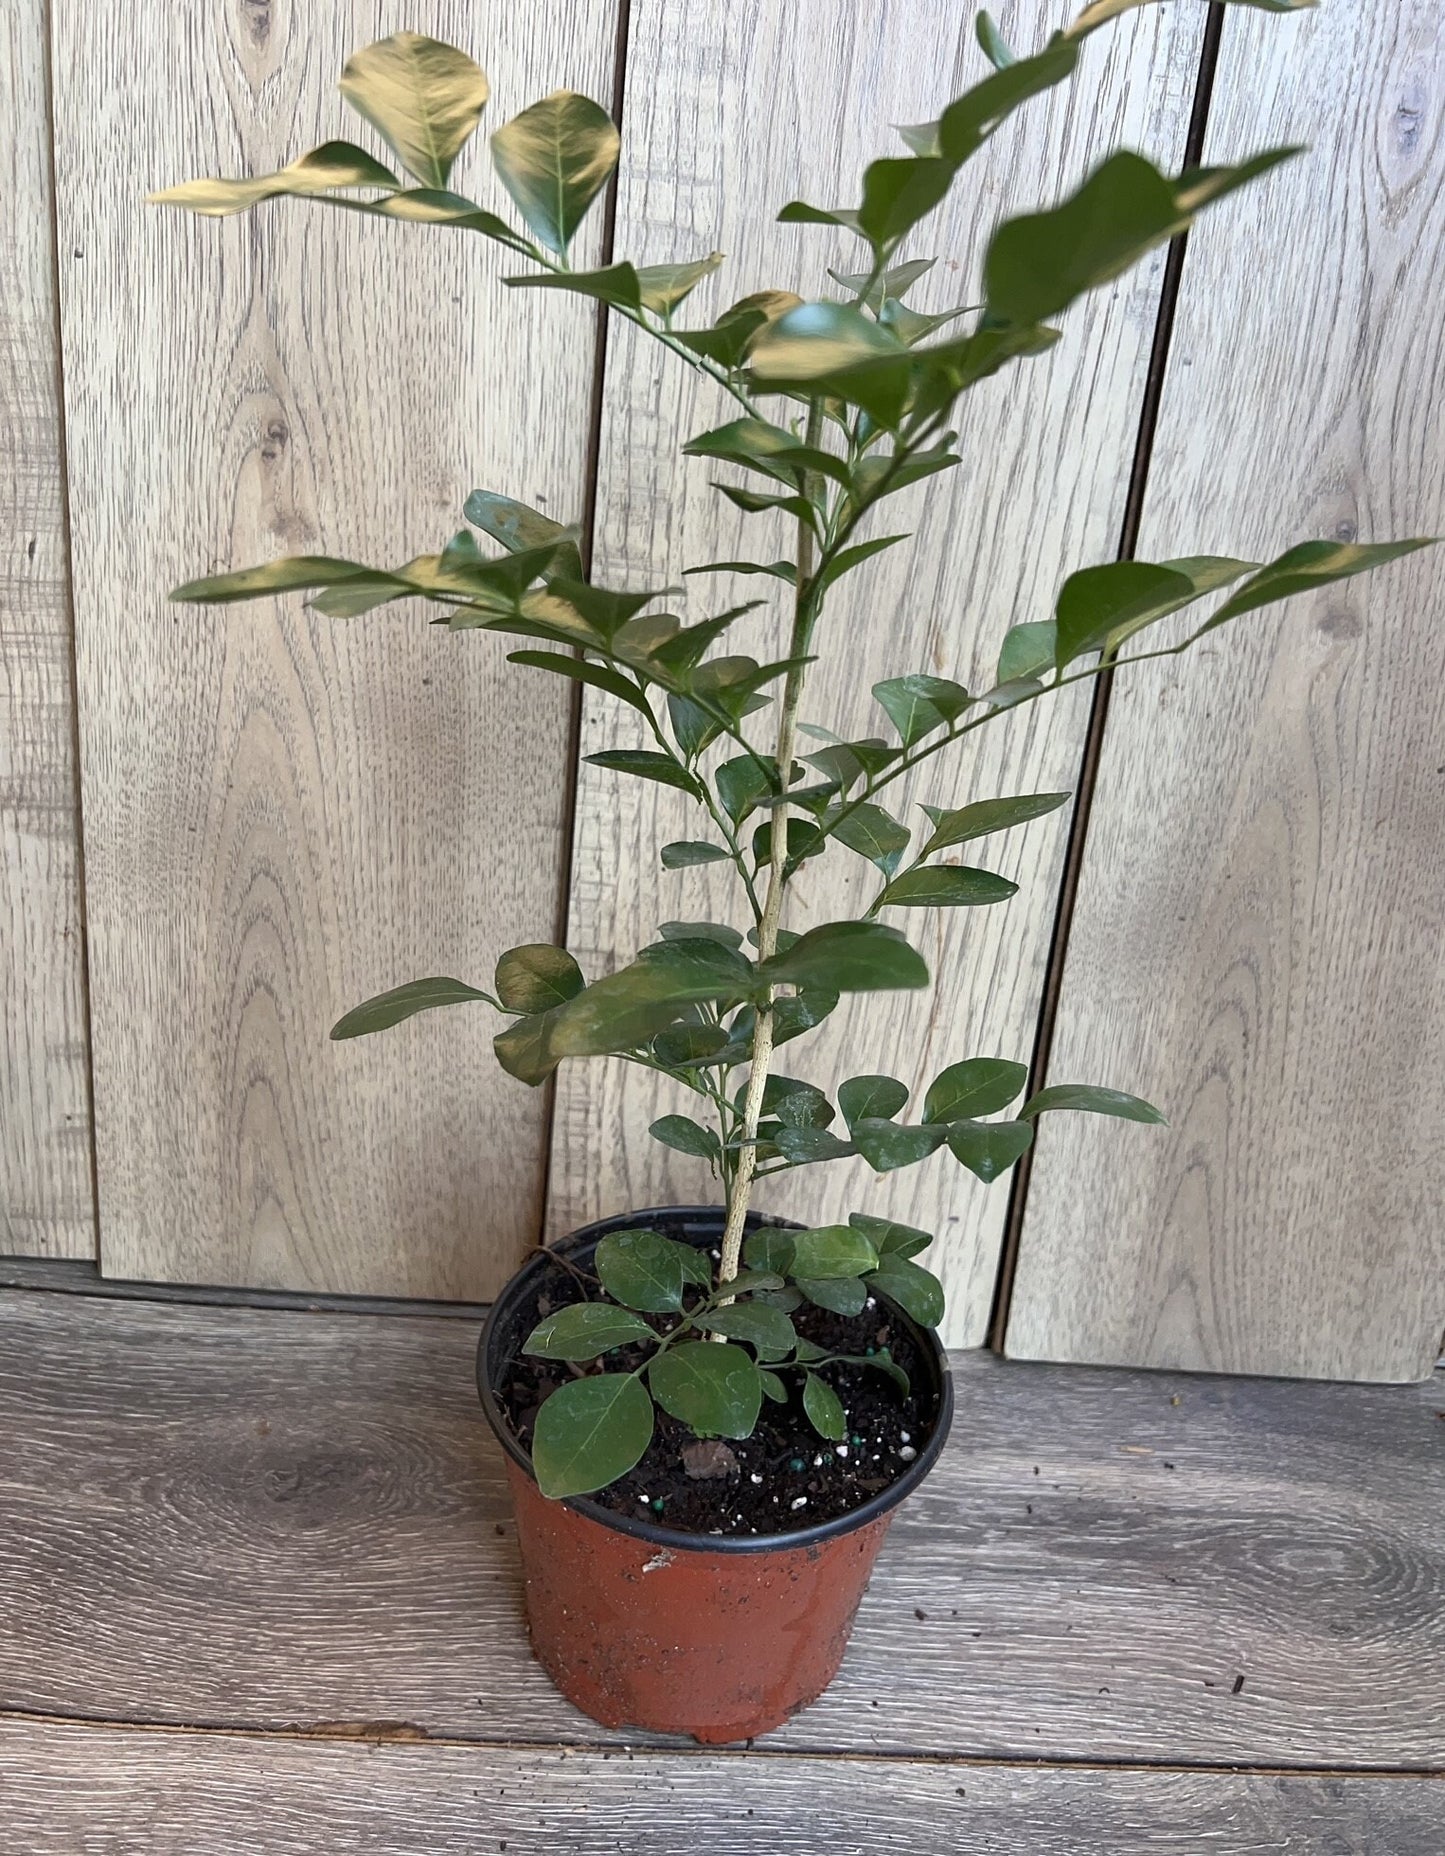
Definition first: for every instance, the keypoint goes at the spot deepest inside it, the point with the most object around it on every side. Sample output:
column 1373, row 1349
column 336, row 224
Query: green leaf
column 733, row 334
column 769, row 1248
column 946, row 886
column 773, row 1387
column 894, row 283
column 754, row 1282
column 331, row 166
column 798, row 507
column 991, row 42
column 807, row 1146
column 1205, row 572
column 390, row 1008
column 721, row 932
column 917, row 1291
column 777, row 570
column 824, row 1409
column 883, row 1362
column 686, row 1136
column 1093, row 1100
column 1028, row 650
column 646, row 765
column 832, row 1250
column 801, row 1012
column 757, row 445
column 711, row 1387
column 422, row 97
column 642, row 1269
column 841, row 1295
column 519, row 528
column 847, row 762
column 874, row 834
column 846, row 559
column 290, row 574
column 767, row 1329
column 911, row 328
column 537, row 976
column 554, row 159
column 888, row 1145
column 917, row 705
column 1118, row 596
column 805, row 839
column 988, row 1148
column 696, row 1266
column 988, row 815
column 590, row 1432
column 872, row 1098
column 971, row 118
column 741, row 783
column 437, row 206
column 848, row 957
column 664, row 286
column 943, row 372
column 1037, row 265
column 627, row 1008
column 578, row 670
column 796, row 1104
column 890, row 1238
column 685, row 852
column 686, row 1045
column 897, row 193
column 617, row 284
column 1312, row 564
column 585, row 1329
column 977, row 1086
column 815, row 346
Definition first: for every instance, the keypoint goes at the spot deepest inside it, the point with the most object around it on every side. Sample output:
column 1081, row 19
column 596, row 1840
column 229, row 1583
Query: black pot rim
column 709, row 1222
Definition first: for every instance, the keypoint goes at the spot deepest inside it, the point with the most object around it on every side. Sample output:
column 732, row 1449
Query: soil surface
column 785, row 1476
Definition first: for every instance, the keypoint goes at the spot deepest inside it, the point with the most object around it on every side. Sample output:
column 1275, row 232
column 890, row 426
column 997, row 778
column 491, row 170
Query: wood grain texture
column 1257, row 940
column 247, row 1518
column 731, row 111
column 77, row 1791
column 290, row 813
column 46, row 1206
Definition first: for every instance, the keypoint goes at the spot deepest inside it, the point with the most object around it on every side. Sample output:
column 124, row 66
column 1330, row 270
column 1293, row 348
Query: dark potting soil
column 782, row 1478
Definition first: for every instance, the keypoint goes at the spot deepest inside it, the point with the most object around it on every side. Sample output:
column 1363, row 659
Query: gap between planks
column 407, row 1734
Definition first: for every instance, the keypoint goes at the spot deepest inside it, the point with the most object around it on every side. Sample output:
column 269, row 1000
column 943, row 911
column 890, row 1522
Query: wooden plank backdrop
column 289, row 813
column 1257, row 942
column 171, row 1794
column 45, row 1191
column 730, row 112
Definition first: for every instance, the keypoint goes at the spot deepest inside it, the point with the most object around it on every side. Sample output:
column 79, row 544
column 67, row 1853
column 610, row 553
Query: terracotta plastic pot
column 720, row 1637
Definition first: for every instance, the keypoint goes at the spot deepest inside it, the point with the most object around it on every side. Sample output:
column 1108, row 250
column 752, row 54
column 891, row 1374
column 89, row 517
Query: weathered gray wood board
column 45, row 1192
column 728, row 115
column 288, row 813
column 232, row 1517
column 1257, row 943
column 103, row 1791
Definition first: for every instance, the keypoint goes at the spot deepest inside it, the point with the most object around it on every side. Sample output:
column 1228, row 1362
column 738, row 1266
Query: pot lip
column 675, row 1538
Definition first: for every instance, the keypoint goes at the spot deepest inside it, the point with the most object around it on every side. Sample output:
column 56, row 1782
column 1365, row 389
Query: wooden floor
column 259, row 1593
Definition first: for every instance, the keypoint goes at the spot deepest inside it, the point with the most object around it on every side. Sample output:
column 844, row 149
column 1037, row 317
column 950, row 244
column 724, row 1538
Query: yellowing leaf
column 424, row 98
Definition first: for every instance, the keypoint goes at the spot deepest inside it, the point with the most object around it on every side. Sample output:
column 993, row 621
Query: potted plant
column 709, row 1416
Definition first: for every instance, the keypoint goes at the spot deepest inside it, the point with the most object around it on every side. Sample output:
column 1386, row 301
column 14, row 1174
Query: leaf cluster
column 834, row 403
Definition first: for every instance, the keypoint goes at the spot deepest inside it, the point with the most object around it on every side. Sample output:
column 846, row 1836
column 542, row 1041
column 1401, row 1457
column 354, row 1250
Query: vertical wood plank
column 46, row 1204
column 289, row 813
column 730, row 112
column 1257, row 940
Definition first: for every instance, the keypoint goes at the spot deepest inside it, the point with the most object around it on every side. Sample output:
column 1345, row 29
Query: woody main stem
column 804, row 612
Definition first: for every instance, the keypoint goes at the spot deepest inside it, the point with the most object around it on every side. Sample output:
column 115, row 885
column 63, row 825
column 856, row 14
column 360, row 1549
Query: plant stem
column 804, row 614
